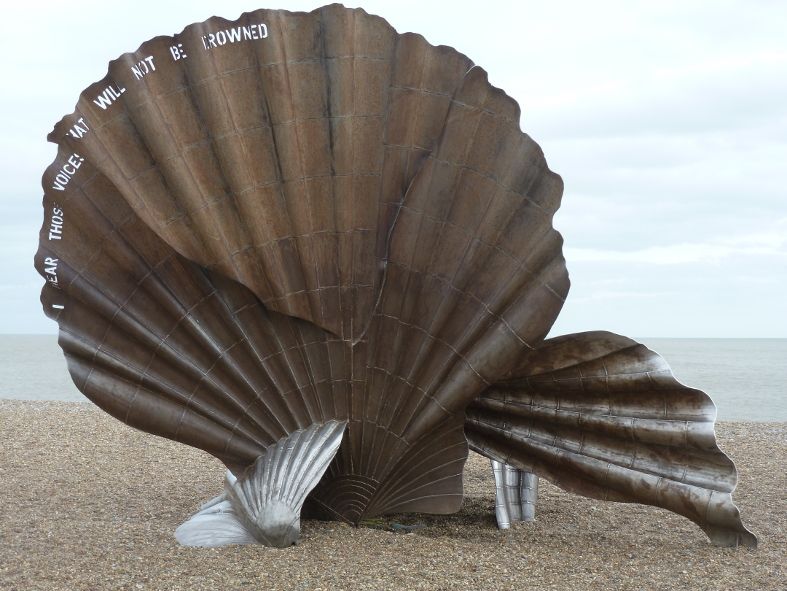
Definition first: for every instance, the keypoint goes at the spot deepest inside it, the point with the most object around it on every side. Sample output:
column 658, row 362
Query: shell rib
column 332, row 221
column 601, row 415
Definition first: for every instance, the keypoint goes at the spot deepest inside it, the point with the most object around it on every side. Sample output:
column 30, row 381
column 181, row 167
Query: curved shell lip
column 715, row 408
column 53, row 135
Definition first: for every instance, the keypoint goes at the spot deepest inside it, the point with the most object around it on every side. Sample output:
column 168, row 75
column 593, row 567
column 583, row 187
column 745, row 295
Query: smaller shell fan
column 601, row 415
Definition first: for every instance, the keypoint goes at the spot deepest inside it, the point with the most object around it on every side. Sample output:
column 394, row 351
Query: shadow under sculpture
column 302, row 237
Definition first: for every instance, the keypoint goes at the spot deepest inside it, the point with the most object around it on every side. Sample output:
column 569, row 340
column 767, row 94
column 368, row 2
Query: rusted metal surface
column 295, row 218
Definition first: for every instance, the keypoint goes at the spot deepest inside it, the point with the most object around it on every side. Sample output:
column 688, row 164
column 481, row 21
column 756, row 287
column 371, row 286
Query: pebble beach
column 89, row 503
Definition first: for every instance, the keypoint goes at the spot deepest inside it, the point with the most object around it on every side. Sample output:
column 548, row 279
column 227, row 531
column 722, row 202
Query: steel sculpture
column 302, row 237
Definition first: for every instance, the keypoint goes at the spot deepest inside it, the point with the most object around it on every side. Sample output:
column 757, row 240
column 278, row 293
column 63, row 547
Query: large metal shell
column 316, row 219
column 257, row 226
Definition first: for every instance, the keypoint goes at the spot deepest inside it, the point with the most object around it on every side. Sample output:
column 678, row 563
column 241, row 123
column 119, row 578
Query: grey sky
column 667, row 121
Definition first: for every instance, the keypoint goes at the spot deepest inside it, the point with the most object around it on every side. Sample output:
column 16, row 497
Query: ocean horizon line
column 742, row 375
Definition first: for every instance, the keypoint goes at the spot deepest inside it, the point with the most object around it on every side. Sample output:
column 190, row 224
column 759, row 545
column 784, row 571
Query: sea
column 746, row 378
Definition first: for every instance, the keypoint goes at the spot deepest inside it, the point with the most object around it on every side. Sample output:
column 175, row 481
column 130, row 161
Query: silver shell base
column 264, row 505
column 516, row 493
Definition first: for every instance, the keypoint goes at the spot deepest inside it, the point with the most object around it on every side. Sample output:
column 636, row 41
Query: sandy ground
column 88, row 503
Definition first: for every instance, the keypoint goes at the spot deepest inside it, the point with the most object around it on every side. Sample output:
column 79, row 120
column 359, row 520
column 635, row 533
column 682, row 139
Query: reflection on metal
column 257, row 226
column 264, row 504
column 516, row 493
column 215, row 524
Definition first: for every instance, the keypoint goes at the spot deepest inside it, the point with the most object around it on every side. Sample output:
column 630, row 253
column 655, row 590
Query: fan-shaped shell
column 291, row 218
column 601, row 415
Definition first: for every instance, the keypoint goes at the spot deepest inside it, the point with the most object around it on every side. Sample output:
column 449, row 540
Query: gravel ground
column 88, row 503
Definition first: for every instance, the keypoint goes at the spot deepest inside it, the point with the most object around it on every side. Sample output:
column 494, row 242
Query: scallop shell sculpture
column 306, row 223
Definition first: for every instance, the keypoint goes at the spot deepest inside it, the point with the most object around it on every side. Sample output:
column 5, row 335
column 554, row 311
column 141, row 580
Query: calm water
column 747, row 378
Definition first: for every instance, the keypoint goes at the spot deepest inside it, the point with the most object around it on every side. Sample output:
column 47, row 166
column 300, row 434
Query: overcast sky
column 666, row 120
